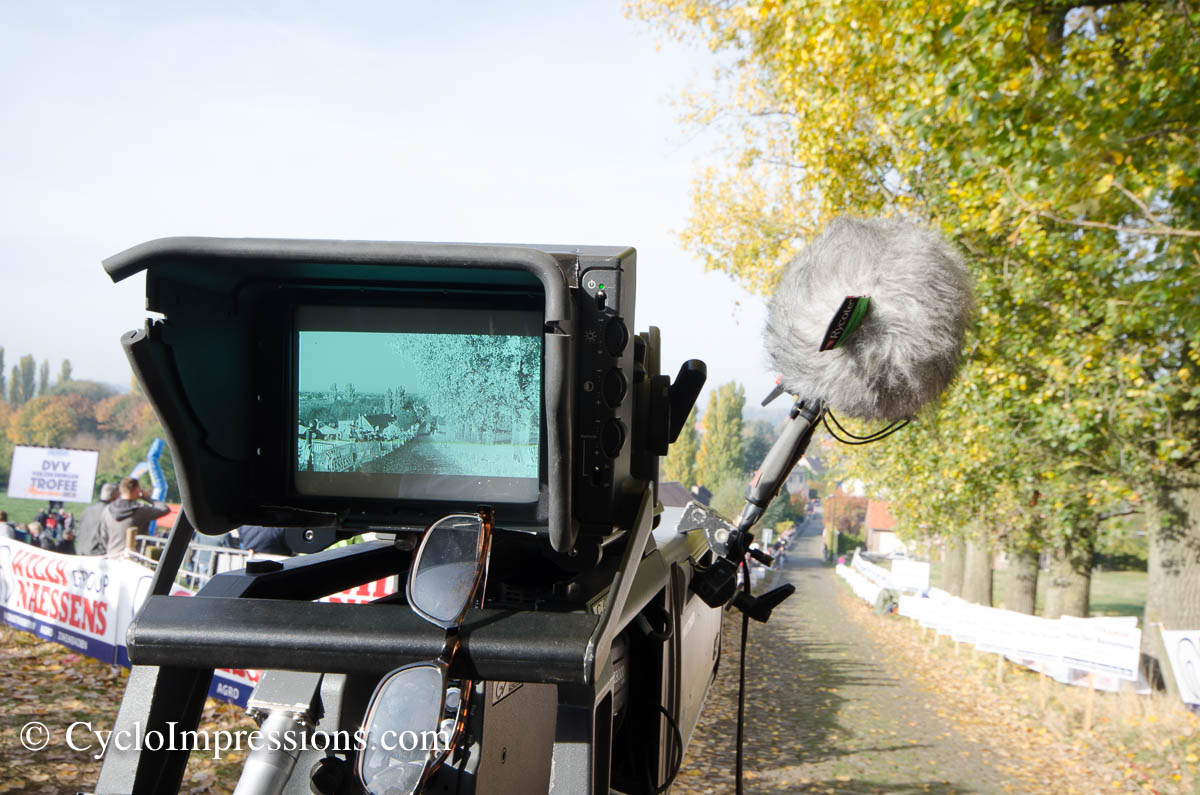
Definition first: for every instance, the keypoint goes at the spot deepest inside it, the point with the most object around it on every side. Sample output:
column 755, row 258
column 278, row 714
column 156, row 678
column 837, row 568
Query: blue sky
column 485, row 122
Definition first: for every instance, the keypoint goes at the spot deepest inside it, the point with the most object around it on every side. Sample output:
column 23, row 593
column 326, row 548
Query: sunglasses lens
column 405, row 715
column 441, row 580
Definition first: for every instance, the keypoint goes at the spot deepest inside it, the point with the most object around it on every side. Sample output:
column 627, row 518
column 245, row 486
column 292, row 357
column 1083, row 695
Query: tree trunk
column 1173, row 594
column 953, row 563
column 1068, row 591
column 977, row 573
column 1020, row 585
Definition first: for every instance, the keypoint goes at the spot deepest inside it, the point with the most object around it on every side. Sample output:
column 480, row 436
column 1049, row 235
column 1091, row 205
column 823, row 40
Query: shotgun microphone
column 869, row 318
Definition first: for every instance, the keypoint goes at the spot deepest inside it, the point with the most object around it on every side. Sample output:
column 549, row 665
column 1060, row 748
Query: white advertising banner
column 876, row 574
column 911, row 606
column 910, row 575
column 990, row 629
column 53, row 473
column 1101, row 652
column 965, row 621
column 1183, row 651
column 945, row 619
column 1102, row 645
column 80, row 602
column 1033, row 638
column 87, row 603
column 928, row 611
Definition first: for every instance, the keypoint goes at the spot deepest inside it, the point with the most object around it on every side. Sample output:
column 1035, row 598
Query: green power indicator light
column 602, row 287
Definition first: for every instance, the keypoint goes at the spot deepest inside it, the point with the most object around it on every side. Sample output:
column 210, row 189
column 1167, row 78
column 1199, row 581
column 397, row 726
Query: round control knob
column 614, row 387
column 612, row 438
column 616, row 336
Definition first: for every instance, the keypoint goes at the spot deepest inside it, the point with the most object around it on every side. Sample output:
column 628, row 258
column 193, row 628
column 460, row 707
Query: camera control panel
column 604, row 387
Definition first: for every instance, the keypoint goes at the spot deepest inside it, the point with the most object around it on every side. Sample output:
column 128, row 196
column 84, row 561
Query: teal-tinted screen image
column 423, row 403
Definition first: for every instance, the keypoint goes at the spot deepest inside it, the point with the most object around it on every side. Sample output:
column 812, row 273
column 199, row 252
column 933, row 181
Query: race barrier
column 87, row 604
column 1101, row 652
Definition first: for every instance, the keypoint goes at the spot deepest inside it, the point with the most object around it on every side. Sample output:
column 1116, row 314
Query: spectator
column 66, row 538
column 49, row 524
column 127, row 516
column 55, row 521
column 264, row 540
column 87, row 539
column 38, row 537
column 7, row 528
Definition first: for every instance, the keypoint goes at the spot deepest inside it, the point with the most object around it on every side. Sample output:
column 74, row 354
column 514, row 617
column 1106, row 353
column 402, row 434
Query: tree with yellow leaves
column 47, row 421
column 1056, row 142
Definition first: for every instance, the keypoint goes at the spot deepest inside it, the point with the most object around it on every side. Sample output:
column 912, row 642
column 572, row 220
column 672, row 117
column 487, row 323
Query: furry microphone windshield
column 905, row 348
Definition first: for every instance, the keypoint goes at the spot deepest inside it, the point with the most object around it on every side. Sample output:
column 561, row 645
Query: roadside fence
column 1100, row 653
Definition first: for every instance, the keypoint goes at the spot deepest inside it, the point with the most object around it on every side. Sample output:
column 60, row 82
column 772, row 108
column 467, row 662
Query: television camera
column 337, row 388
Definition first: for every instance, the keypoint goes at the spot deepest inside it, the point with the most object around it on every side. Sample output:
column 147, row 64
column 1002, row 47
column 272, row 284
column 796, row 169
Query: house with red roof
column 881, row 528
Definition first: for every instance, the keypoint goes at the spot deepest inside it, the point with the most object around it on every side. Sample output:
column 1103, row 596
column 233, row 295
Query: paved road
column 827, row 709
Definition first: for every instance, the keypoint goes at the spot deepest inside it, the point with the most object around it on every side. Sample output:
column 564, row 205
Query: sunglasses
column 417, row 714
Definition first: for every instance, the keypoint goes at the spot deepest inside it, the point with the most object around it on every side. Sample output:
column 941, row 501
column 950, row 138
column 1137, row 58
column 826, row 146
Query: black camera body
column 337, row 387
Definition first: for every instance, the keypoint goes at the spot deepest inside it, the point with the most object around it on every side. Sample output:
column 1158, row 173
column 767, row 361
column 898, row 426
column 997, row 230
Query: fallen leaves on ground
column 45, row 682
column 1137, row 743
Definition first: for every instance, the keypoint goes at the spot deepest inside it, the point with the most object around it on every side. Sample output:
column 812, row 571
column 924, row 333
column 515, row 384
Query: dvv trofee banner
column 53, row 473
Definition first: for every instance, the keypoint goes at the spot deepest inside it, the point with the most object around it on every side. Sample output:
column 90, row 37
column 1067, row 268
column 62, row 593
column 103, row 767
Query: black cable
column 668, row 634
column 871, row 435
column 882, row 433
column 888, row 429
column 741, row 714
column 678, row 753
column 662, row 636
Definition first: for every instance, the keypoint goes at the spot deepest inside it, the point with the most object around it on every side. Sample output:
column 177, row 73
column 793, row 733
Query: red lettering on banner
column 55, row 604
column 361, row 594
column 243, row 673
column 96, row 615
column 39, row 567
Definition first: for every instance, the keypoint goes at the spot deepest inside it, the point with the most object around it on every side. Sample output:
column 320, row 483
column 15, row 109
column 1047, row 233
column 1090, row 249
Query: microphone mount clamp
column 716, row 585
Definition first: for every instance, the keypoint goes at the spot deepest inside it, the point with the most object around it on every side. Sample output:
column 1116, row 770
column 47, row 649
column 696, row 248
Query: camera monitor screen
column 418, row 403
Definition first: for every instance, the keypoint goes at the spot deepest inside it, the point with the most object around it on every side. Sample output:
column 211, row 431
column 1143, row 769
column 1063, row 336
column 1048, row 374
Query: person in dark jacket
column 87, row 535
column 127, row 516
column 264, row 540
column 66, row 539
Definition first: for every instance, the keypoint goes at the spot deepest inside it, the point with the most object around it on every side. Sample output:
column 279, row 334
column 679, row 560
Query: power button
column 603, row 280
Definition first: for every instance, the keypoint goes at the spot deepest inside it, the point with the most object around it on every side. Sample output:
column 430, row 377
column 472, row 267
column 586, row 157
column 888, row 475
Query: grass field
column 22, row 511
column 1114, row 593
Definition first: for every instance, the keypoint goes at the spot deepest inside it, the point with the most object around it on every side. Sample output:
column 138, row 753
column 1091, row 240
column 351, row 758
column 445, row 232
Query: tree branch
column 1055, row 6
column 1158, row 230
column 1141, row 205
column 1164, row 131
